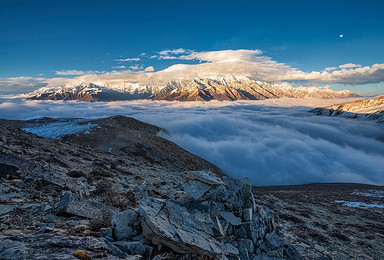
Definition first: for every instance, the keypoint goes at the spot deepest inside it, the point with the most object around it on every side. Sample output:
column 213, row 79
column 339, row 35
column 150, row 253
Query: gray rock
column 4, row 209
column 243, row 251
column 123, row 224
column 196, row 189
column 73, row 204
column 218, row 227
column 231, row 218
column 231, row 249
column 11, row 250
column 131, row 248
column 249, row 245
column 274, row 241
column 184, row 227
column 47, row 227
column 114, row 249
column 247, row 214
column 206, row 176
column 106, row 233
column 47, row 207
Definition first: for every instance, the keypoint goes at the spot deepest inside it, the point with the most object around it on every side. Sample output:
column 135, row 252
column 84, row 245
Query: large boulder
column 220, row 219
column 124, row 224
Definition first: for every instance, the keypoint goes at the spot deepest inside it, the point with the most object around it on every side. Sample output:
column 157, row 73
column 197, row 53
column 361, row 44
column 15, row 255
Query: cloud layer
column 250, row 63
column 272, row 142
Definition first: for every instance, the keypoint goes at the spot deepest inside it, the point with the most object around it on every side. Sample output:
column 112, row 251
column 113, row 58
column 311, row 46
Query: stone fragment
column 4, row 209
column 249, row 245
column 114, row 249
column 131, row 248
column 247, row 214
column 184, row 227
column 231, row 249
column 218, row 227
column 73, row 204
column 206, row 176
column 123, row 224
column 196, row 189
column 243, row 251
column 106, row 233
column 231, row 218
column 11, row 250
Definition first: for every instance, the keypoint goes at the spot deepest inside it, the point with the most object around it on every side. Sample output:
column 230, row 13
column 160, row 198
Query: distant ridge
column 229, row 88
column 367, row 109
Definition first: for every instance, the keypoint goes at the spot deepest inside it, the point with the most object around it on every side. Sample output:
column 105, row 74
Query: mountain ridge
column 228, row 88
column 366, row 109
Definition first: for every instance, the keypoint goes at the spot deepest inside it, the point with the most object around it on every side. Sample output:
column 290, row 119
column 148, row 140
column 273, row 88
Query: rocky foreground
column 113, row 189
column 329, row 221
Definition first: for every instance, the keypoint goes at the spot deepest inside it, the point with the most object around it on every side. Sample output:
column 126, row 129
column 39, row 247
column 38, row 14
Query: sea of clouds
column 272, row 142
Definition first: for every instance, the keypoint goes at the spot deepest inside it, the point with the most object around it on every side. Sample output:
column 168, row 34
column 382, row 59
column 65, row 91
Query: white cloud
column 271, row 142
column 149, row 69
column 119, row 67
column 331, row 68
column 250, row 63
column 76, row 72
column 70, row 72
column 167, row 57
column 175, row 51
column 128, row 59
column 170, row 54
column 17, row 85
column 349, row 65
column 136, row 67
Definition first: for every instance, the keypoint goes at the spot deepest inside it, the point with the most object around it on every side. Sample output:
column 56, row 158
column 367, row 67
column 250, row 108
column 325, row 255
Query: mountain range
column 199, row 89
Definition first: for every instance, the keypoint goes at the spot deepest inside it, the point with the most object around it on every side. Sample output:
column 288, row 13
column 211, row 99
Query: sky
column 339, row 44
column 272, row 142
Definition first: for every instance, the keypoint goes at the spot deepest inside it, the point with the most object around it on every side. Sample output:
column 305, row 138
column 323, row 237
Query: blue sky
column 39, row 38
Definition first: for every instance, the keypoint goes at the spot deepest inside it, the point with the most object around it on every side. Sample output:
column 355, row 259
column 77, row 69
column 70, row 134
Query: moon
column 341, row 36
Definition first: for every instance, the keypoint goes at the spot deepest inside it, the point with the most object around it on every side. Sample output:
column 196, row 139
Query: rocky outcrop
column 220, row 221
column 368, row 109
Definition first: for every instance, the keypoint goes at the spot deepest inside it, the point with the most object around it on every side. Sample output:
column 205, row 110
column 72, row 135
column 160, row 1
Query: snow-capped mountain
column 199, row 89
column 367, row 109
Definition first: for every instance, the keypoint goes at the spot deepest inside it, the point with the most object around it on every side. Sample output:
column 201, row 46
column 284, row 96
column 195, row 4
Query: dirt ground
column 329, row 221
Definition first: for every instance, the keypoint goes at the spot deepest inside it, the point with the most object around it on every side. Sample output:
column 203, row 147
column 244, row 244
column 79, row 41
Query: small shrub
column 81, row 255
column 117, row 198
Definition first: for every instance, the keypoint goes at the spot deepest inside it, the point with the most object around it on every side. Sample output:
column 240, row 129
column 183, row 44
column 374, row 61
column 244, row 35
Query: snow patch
column 57, row 130
column 359, row 204
column 370, row 193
